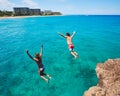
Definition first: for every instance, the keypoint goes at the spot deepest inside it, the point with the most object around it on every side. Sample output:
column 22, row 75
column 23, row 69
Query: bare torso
column 69, row 40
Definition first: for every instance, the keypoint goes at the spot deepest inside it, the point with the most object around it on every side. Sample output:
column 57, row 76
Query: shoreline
column 13, row 17
column 8, row 17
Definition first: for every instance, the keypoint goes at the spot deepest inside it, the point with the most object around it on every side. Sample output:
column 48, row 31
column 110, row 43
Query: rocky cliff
column 109, row 79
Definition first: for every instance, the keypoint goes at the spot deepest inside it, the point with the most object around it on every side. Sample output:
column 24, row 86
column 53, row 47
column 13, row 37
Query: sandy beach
column 5, row 17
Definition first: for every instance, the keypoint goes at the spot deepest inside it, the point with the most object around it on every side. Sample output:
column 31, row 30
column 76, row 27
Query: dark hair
column 67, row 34
column 37, row 55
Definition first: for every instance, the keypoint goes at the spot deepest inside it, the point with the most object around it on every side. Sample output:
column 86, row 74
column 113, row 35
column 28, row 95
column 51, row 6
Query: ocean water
column 97, row 39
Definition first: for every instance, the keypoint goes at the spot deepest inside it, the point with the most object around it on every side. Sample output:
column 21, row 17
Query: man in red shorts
column 69, row 42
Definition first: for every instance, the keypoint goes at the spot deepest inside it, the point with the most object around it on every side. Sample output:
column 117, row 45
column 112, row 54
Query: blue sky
column 111, row 7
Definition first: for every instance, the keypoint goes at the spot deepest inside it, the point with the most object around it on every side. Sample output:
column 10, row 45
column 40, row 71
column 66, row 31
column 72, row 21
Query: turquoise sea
column 97, row 39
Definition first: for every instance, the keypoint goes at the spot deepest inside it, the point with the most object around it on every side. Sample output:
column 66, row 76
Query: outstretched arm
column 73, row 34
column 29, row 55
column 61, row 35
column 41, row 50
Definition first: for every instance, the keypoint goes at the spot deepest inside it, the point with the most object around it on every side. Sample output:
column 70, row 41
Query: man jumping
column 69, row 42
column 38, row 60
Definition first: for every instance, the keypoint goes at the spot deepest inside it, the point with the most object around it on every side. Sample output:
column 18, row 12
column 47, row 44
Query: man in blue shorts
column 38, row 60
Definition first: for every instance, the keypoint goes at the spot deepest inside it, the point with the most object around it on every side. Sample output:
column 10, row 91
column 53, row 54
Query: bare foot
column 49, row 76
column 76, row 56
column 47, row 80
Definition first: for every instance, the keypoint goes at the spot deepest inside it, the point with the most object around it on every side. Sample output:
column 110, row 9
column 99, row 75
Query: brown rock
column 109, row 79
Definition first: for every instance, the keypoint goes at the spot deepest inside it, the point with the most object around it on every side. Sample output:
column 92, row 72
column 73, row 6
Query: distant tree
column 56, row 13
column 6, row 13
column 1, row 13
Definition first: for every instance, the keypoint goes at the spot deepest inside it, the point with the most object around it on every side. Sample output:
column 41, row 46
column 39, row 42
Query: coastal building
column 21, row 11
column 35, row 12
column 25, row 11
column 47, row 12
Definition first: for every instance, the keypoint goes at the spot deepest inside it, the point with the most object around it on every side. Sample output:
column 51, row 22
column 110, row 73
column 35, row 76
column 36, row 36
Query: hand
column 74, row 31
column 58, row 32
column 26, row 51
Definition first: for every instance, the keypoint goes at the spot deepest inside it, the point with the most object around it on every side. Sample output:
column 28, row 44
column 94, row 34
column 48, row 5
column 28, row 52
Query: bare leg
column 48, row 76
column 44, row 78
column 74, row 55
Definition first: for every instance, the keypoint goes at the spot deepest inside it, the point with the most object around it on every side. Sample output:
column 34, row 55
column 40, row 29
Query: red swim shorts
column 71, row 46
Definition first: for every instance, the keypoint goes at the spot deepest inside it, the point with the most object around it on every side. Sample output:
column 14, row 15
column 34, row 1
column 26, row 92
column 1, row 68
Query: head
column 67, row 34
column 37, row 55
